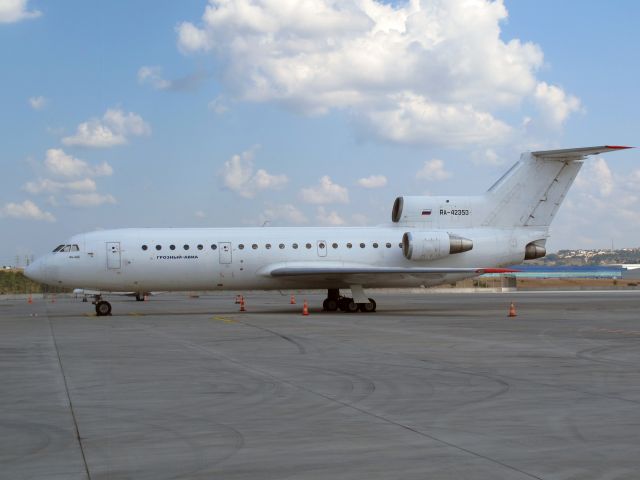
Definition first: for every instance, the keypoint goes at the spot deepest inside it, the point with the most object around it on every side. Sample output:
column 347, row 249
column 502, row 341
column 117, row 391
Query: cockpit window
column 67, row 248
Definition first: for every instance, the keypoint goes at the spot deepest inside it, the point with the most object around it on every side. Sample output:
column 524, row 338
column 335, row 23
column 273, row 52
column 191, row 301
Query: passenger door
column 225, row 252
column 114, row 260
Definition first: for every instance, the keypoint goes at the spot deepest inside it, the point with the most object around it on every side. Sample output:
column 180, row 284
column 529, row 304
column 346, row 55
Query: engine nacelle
column 533, row 250
column 433, row 245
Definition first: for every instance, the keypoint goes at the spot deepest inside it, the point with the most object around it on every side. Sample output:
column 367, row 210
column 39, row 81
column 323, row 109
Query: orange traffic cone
column 30, row 300
column 238, row 297
column 293, row 299
column 512, row 310
column 305, row 308
column 146, row 298
column 242, row 304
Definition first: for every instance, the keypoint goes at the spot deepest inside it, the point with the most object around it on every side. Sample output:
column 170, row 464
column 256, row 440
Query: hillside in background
column 590, row 257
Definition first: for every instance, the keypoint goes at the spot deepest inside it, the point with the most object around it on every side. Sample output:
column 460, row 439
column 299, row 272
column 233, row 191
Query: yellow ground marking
column 223, row 319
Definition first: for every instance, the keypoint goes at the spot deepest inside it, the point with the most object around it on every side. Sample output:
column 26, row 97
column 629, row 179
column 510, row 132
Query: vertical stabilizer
column 531, row 192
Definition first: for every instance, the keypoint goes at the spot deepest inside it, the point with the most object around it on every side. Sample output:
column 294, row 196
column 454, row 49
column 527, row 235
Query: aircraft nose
column 36, row 271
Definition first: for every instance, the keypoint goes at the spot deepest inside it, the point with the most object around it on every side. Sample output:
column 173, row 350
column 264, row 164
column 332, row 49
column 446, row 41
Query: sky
column 232, row 113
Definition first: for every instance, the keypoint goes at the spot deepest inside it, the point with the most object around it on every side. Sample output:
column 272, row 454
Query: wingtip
column 618, row 147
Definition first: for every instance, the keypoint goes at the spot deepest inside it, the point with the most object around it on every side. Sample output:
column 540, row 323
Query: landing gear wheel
column 140, row 297
column 103, row 308
column 342, row 303
column 367, row 307
column 351, row 306
column 330, row 305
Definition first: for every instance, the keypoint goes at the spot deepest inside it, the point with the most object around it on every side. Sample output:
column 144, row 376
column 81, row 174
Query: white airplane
column 432, row 240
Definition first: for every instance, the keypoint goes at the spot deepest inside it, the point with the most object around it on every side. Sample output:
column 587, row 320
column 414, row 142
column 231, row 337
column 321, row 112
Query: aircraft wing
column 296, row 271
column 576, row 153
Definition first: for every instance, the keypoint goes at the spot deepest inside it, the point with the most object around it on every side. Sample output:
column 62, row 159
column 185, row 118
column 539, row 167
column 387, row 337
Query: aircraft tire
column 103, row 308
column 342, row 303
column 351, row 306
column 139, row 297
column 330, row 305
column 367, row 307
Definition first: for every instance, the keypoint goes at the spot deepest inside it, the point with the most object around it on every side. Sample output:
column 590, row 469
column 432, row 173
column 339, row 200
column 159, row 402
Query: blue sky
column 121, row 114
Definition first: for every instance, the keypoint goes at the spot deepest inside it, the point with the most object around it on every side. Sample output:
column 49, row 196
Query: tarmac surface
column 429, row 387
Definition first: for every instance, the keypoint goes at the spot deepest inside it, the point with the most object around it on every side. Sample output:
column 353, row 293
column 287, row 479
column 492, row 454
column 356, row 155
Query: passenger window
column 349, row 245
column 295, row 245
column 308, row 245
column 268, row 246
column 172, row 247
column 321, row 245
column 281, row 246
column 388, row 245
column 186, row 247
column 362, row 245
column 254, row 246
column 158, row 247
column 335, row 245
column 241, row 246
column 58, row 248
column 375, row 245
column 200, row 247
column 144, row 247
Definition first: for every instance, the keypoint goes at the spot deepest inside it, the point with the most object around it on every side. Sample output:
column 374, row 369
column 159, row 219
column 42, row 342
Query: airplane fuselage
column 185, row 259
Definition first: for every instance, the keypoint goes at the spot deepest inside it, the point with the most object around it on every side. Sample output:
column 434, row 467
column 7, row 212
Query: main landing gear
column 334, row 302
column 103, row 308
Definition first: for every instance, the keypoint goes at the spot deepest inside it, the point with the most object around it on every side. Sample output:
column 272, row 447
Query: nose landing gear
column 103, row 308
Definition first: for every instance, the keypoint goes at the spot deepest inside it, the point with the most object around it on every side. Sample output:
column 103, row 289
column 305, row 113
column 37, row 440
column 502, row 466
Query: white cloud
column 113, row 129
column 153, row 76
column 58, row 163
column 487, row 157
column 360, row 219
column 26, row 210
column 191, row 39
column 200, row 214
column 427, row 72
column 373, row 181
column 218, row 105
column 90, row 199
column 555, row 104
column 325, row 192
column 238, row 175
column 45, row 185
column 285, row 213
column 329, row 218
column 433, row 170
column 15, row 10
column 38, row 103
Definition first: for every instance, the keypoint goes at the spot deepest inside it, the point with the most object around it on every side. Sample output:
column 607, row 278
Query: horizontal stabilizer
column 576, row 153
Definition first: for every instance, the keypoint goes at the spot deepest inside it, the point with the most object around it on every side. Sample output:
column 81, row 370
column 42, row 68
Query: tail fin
column 531, row 192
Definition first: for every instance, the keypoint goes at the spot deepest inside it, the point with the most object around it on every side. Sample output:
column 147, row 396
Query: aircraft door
column 322, row 248
column 113, row 256
column 225, row 252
